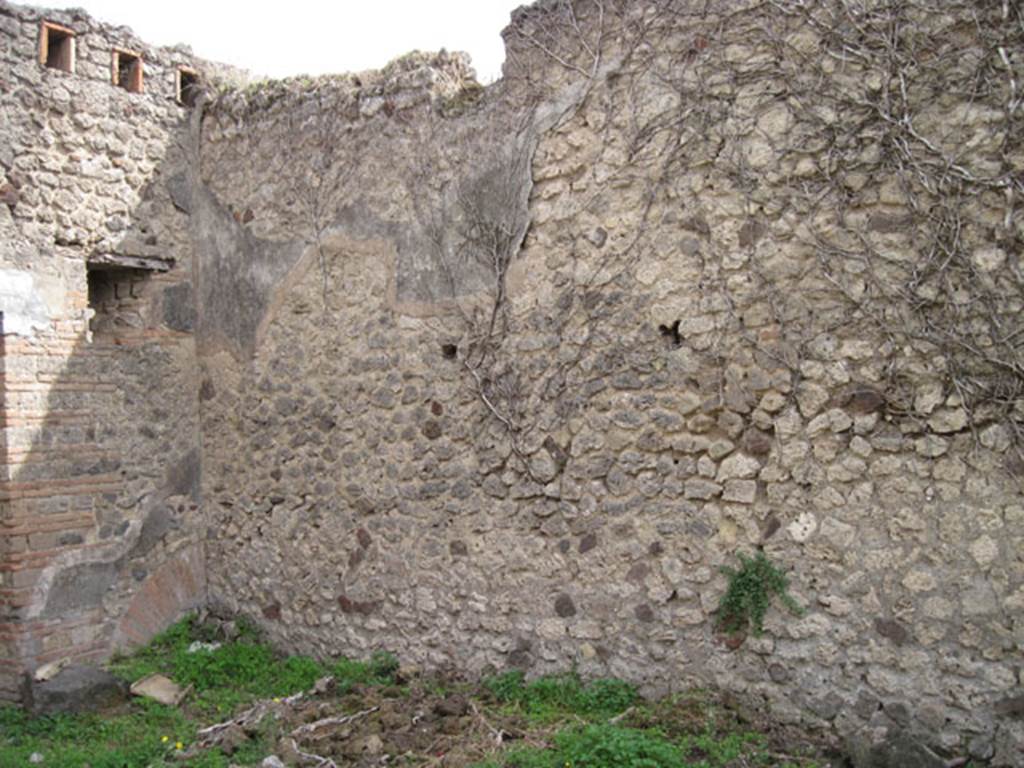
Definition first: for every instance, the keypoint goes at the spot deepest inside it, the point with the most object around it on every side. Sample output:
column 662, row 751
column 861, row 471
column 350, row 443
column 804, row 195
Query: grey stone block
column 77, row 688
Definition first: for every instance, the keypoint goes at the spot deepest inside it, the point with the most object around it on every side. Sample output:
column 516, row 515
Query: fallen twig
column 211, row 735
column 305, row 730
column 622, row 715
column 500, row 734
column 318, row 760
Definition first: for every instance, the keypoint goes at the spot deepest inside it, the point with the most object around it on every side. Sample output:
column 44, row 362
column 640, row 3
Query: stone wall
column 730, row 326
column 100, row 413
column 504, row 377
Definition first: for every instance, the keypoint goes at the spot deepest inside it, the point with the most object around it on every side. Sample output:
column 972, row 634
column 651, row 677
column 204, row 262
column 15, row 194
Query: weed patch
column 551, row 697
column 558, row 721
column 148, row 735
column 241, row 671
column 223, row 680
column 751, row 590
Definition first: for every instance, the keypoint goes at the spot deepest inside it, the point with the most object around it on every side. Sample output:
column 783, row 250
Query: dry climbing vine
column 881, row 139
column 823, row 172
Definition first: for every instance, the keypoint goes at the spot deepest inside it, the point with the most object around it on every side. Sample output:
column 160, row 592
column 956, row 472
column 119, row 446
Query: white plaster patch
column 801, row 529
column 28, row 302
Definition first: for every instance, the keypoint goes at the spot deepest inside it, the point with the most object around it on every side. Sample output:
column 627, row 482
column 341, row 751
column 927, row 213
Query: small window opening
column 57, row 47
column 127, row 71
column 188, row 86
column 116, row 298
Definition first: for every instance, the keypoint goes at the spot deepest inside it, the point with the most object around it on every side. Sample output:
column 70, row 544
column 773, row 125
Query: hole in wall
column 127, row 70
column 56, row 47
column 188, row 87
column 671, row 332
column 449, row 351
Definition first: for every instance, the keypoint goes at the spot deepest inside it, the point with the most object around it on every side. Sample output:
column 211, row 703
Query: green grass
column 147, row 734
column 121, row 741
column 569, row 723
column 607, row 745
column 556, row 696
column 598, row 746
column 604, row 724
column 240, row 672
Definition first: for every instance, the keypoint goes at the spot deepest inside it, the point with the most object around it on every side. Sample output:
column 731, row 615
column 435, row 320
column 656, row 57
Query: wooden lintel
column 59, row 27
column 114, row 260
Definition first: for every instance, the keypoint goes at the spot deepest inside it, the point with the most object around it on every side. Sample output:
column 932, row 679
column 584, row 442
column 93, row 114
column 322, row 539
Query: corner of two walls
column 693, row 349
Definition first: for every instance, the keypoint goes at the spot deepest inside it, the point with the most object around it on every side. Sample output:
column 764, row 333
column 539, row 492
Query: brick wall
column 99, row 489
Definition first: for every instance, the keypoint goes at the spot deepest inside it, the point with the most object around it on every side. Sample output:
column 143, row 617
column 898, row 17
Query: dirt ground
column 435, row 722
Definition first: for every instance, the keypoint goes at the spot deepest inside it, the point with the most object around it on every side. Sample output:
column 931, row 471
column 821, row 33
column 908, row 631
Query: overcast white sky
column 296, row 37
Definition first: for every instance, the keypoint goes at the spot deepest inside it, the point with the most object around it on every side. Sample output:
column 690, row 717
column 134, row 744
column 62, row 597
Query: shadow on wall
column 101, row 487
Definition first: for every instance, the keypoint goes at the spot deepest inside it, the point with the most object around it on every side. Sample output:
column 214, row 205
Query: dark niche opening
column 56, row 47
column 116, row 298
column 127, row 71
column 188, row 86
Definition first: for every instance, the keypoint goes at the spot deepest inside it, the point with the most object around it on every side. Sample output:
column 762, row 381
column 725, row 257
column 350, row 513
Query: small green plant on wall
column 752, row 587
